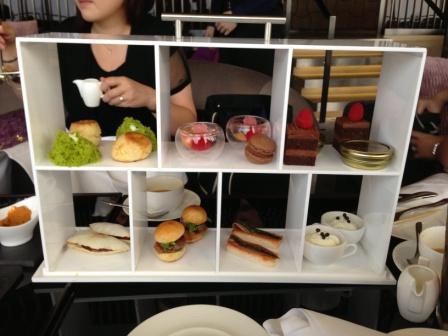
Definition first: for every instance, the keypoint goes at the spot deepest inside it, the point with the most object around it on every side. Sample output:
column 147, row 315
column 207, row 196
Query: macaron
column 260, row 149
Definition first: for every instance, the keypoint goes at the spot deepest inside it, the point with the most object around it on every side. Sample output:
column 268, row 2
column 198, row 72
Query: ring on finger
column 121, row 98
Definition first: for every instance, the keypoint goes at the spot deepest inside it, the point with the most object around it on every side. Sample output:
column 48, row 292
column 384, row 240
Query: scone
column 131, row 146
column 88, row 129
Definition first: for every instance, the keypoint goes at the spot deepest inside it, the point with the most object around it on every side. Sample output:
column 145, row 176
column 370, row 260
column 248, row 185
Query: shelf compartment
column 329, row 162
column 199, row 256
column 106, row 162
column 232, row 159
column 357, row 268
column 75, row 262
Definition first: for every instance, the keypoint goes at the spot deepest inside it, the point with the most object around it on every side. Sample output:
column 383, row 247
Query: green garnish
column 191, row 227
column 167, row 246
column 72, row 150
column 130, row 124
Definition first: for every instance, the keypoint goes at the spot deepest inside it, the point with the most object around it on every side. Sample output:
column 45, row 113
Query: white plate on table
column 404, row 228
column 190, row 198
column 418, row 332
column 199, row 320
column 403, row 251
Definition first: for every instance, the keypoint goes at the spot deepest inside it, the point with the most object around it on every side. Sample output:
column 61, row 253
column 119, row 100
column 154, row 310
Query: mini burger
column 170, row 241
column 194, row 218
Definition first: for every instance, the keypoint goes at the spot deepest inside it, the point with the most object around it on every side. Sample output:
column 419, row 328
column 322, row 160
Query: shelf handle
column 268, row 21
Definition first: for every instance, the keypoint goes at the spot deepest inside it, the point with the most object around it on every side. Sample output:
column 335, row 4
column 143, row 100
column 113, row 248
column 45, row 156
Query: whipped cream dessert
column 343, row 222
column 322, row 238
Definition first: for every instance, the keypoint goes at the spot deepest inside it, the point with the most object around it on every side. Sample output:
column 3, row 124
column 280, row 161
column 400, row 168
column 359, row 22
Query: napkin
column 303, row 322
column 437, row 183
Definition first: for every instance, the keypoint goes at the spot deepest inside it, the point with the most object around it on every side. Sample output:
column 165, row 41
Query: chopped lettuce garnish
column 130, row 124
column 191, row 227
column 167, row 246
column 72, row 150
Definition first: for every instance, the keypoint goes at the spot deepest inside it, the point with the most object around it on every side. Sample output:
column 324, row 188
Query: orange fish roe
column 16, row 216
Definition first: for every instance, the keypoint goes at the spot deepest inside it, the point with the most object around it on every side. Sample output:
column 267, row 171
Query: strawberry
column 251, row 133
column 356, row 112
column 249, row 121
column 304, row 118
column 201, row 144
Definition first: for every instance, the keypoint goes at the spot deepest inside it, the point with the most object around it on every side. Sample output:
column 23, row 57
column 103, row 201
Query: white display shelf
column 207, row 260
column 106, row 162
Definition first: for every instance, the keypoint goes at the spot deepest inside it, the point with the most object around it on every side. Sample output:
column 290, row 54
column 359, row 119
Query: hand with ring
column 125, row 92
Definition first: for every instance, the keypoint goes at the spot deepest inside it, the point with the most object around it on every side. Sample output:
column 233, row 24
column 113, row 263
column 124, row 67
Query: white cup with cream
column 163, row 193
column 432, row 247
column 325, row 245
column 350, row 225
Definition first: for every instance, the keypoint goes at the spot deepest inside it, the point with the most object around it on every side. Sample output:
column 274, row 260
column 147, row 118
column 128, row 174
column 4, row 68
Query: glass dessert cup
column 200, row 141
column 239, row 129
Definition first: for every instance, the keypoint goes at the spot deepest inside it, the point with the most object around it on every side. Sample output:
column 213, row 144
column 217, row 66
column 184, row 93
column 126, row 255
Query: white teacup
column 431, row 245
column 351, row 235
column 90, row 91
column 325, row 255
column 163, row 193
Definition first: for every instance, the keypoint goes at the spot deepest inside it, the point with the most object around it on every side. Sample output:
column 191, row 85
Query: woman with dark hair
column 127, row 73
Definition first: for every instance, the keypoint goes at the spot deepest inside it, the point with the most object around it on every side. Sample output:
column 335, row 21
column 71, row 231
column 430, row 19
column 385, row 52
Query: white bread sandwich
column 252, row 252
column 130, row 147
column 194, row 218
column 88, row 129
column 170, row 241
column 253, row 235
column 95, row 243
column 115, row 230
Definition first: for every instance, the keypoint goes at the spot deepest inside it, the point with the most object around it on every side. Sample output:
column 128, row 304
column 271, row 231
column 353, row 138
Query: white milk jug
column 90, row 91
column 417, row 292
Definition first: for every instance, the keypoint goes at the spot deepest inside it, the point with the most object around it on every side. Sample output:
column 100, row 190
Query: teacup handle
column 348, row 253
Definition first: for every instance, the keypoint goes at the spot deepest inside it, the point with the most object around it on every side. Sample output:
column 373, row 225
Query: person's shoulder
column 151, row 25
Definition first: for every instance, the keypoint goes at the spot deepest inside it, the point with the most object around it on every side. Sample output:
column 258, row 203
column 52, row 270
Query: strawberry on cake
column 351, row 127
column 302, row 139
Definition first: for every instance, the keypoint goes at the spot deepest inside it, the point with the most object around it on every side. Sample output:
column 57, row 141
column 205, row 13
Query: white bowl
column 326, row 255
column 352, row 236
column 19, row 234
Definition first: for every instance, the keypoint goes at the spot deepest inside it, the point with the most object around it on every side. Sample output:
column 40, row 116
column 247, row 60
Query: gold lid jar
column 366, row 154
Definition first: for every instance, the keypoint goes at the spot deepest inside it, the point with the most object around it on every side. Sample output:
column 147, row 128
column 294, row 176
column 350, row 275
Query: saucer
column 403, row 251
column 418, row 332
column 190, row 198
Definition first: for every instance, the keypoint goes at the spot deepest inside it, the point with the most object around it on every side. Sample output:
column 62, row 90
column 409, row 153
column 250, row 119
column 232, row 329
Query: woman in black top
column 127, row 73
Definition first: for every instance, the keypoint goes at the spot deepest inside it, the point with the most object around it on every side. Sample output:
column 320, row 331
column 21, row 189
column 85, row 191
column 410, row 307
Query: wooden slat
column 339, row 54
column 339, row 71
column 341, row 93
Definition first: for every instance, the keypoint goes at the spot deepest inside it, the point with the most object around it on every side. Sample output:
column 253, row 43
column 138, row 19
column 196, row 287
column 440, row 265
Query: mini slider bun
column 88, row 129
column 170, row 241
column 94, row 243
column 130, row 147
column 194, row 218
